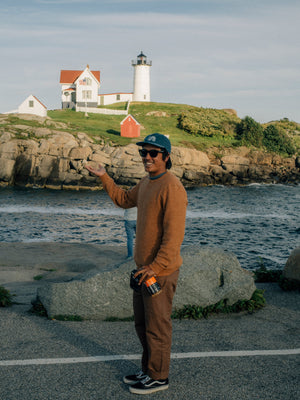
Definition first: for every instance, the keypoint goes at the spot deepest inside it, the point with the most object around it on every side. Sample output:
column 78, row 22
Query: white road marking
column 76, row 360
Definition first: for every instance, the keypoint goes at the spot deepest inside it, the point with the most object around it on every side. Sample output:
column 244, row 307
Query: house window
column 86, row 94
column 31, row 103
column 118, row 97
column 85, row 81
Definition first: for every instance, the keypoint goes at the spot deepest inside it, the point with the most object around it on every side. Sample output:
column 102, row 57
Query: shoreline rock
column 292, row 267
column 54, row 159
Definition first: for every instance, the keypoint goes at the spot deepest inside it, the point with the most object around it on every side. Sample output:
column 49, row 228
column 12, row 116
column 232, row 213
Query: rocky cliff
column 49, row 156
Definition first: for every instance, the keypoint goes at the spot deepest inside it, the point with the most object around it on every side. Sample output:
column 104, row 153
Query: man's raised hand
column 100, row 171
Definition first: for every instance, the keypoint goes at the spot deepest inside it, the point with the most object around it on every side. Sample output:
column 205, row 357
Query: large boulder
column 190, row 157
column 95, row 295
column 292, row 267
column 207, row 276
column 235, row 164
column 10, row 150
column 45, row 166
column 6, row 169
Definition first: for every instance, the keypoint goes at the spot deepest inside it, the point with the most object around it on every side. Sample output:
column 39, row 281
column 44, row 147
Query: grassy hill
column 188, row 126
column 153, row 117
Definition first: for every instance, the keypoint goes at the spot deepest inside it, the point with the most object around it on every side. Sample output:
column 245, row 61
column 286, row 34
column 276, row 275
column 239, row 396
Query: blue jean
column 130, row 228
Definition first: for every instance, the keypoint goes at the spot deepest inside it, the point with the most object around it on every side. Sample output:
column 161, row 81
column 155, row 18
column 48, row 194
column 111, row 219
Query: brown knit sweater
column 161, row 205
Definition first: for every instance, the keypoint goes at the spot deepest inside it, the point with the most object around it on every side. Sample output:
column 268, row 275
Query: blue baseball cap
column 158, row 140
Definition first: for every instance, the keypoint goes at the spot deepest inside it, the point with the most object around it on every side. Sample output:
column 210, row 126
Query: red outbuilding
column 130, row 127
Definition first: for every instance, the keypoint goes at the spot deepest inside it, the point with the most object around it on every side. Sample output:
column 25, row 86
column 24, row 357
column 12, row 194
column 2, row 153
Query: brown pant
column 154, row 327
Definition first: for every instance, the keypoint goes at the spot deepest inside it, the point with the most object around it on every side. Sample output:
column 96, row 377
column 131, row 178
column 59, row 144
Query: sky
column 240, row 54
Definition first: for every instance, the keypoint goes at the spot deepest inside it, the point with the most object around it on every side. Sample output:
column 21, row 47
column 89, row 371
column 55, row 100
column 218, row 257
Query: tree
column 250, row 132
column 275, row 139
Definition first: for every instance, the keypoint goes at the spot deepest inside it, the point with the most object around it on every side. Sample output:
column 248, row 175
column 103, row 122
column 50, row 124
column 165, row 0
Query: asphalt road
column 218, row 359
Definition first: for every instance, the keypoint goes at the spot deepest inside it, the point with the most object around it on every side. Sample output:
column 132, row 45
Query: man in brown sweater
column 161, row 201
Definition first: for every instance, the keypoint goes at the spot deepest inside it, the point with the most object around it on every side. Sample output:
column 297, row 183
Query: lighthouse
column 141, row 80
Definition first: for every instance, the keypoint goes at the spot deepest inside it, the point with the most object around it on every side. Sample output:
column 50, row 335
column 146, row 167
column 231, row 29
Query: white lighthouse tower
column 141, row 80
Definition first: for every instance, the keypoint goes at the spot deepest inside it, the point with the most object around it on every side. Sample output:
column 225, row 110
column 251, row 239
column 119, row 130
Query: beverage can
column 153, row 286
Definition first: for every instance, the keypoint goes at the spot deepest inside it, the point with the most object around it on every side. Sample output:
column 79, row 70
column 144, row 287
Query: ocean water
column 259, row 223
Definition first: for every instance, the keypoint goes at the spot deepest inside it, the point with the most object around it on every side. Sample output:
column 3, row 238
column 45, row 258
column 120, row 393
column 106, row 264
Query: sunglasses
column 152, row 153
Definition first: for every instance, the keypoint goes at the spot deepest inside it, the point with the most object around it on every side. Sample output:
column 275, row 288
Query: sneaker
column 132, row 379
column 149, row 385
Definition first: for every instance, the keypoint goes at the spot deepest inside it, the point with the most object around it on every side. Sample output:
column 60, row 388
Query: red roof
column 130, row 127
column 39, row 101
column 130, row 118
column 70, row 76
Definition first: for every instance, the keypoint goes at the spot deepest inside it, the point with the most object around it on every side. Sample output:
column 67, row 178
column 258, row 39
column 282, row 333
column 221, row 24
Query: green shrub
column 207, row 122
column 274, row 137
column 5, row 297
column 287, row 125
column 276, row 140
column 250, row 132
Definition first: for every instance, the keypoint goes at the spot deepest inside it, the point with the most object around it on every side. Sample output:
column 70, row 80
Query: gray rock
column 207, row 276
column 6, row 137
column 95, row 295
column 6, row 169
column 190, row 157
column 100, row 157
column 10, row 150
column 45, row 166
column 80, row 153
column 42, row 132
column 234, row 162
column 292, row 267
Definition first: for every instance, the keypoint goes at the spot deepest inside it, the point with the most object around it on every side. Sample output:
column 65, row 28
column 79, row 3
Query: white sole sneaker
column 147, row 390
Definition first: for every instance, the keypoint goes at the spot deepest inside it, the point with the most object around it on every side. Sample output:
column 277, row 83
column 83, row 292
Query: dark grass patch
column 5, row 297
column 189, row 311
column 264, row 275
column 38, row 308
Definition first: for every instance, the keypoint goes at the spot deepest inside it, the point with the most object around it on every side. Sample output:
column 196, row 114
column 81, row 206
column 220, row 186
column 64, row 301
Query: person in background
column 161, row 201
column 130, row 216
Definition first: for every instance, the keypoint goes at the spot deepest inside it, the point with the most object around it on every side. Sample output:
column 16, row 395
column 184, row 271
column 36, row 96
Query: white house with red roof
column 32, row 105
column 81, row 88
